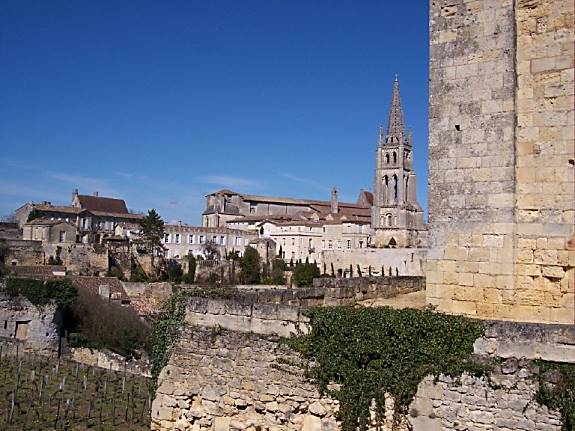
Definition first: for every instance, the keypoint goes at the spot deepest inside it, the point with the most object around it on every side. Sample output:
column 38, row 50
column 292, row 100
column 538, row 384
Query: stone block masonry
column 237, row 381
column 471, row 403
column 224, row 380
column 501, row 160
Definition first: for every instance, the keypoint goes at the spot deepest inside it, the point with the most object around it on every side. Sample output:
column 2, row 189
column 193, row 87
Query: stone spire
column 395, row 125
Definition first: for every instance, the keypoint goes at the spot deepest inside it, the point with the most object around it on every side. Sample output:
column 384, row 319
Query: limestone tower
column 396, row 216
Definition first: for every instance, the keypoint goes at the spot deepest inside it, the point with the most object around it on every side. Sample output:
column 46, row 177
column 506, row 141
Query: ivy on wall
column 372, row 351
column 557, row 390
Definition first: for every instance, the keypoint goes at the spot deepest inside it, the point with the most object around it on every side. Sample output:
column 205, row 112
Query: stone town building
column 181, row 240
column 501, row 159
column 95, row 217
column 52, row 231
column 307, row 234
column 225, row 205
column 338, row 233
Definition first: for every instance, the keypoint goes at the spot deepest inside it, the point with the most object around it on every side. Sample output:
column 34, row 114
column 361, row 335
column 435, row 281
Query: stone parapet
column 528, row 340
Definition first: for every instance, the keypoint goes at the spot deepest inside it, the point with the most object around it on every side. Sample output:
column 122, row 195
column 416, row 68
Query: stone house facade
column 181, row 240
column 52, row 231
column 96, row 218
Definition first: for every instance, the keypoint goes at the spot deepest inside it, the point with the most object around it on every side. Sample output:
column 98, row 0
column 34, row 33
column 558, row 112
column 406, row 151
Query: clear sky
column 162, row 102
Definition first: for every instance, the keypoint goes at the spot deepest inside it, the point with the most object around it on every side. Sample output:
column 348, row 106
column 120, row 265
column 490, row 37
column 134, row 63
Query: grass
column 37, row 392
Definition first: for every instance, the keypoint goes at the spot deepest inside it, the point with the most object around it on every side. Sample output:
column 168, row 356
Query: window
column 349, row 244
column 394, row 157
column 202, row 239
column 177, row 238
column 293, row 242
column 323, row 244
column 191, row 239
column 338, row 243
column 166, row 238
column 387, row 159
column 62, row 237
column 238, row 241
column 222, row 240
column 330, row 244
column 252, row 208
column 388, row 220
column 214, row 239
column 310, row 244
column 360, row 244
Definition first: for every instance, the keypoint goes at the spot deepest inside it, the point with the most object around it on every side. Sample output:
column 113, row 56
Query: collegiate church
column 390, row 217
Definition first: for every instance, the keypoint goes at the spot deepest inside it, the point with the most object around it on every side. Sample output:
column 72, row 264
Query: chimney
column 334, row 203
column 95, row 194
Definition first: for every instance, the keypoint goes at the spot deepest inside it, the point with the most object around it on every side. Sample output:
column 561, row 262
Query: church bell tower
column 396, row 216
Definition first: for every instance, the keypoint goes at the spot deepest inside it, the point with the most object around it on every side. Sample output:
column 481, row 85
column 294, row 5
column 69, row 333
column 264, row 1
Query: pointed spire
column 380, row 135
column 395, row 125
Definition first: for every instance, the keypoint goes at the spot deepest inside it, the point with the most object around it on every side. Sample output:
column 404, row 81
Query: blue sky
column 161, row 103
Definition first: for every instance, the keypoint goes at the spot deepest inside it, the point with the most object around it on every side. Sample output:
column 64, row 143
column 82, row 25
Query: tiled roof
column 57, row 209
column 367, row 196
column 47, row 222
column 117, row 215
column 103, row 204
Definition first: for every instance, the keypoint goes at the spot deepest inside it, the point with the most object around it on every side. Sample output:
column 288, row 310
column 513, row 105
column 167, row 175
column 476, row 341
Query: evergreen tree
column 151, row 233
column 278, row 268
column 190, row 276
column 250, row 266
column 304, row 274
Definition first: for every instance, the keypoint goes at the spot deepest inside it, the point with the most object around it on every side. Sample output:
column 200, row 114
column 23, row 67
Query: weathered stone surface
column 501, row 151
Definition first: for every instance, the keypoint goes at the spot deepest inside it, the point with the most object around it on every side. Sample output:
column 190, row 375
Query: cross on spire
column 395, row 125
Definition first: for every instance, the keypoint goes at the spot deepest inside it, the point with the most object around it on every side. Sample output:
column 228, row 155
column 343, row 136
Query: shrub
column 108, row 325
column 55, row 260
column 33, row 290
column 34, row 214
column 114, row 271
column 137, row 274
column 278, row 268
column 190, row 276
column 172, row 271
column 39, row 293
column 250, row 266
column 304, row 273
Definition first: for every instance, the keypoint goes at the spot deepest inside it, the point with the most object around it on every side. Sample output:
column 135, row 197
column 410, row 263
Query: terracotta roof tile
column 107, row 205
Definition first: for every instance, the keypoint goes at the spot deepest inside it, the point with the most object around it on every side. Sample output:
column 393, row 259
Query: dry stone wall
column 225, row 380
column 505, row 403
column 228, row 380
column 501, row 168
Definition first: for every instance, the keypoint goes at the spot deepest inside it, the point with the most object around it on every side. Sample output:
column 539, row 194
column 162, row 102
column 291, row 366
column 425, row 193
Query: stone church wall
column 501, row 168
